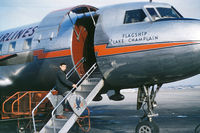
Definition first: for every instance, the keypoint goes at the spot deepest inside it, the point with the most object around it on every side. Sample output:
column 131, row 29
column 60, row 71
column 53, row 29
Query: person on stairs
column 63, row 86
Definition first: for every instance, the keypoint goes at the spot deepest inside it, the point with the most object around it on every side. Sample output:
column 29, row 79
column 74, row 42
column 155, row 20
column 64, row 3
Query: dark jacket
column 62, row 84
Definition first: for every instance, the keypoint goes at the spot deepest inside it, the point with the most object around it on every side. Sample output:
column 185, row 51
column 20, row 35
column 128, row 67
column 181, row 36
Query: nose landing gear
column 147, row 127
column 147, row 99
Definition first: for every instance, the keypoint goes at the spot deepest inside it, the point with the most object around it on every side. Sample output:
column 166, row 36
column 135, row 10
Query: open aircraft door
column 72, row 27
column 82, row 46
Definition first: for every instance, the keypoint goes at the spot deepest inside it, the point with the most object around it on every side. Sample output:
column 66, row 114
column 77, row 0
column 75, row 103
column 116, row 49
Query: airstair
column 79, row 98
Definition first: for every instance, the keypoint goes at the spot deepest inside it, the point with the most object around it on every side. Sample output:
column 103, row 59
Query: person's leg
column 59, row 110
column 67, row 107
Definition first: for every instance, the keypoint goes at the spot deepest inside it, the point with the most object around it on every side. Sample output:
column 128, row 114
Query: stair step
column 96, row 74
column 87, row 87
column 84, row 94
column 93, row 79
column 60, row 122
column 86, row 82
column 50, row 129
column 67, row 114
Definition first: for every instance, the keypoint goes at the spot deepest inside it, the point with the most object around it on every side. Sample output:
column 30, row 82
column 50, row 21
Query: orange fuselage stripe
column 4, row 56
column 102, row 50
column 53, row 54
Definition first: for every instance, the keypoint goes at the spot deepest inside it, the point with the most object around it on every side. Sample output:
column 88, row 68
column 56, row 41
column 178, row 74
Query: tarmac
column 178, row 109
column 179, row 112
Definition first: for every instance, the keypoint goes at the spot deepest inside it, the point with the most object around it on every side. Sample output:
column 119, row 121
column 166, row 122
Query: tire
column 147, row 127
column 21, row 130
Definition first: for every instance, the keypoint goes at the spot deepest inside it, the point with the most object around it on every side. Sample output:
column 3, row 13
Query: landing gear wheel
column 147, row 127
column 21, row 130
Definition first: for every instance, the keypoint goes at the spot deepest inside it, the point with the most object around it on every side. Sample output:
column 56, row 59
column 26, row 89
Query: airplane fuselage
column 129, row 54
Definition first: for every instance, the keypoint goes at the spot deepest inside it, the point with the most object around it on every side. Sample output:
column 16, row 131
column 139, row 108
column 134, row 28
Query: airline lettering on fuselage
column 134, row 37
column 18, row 34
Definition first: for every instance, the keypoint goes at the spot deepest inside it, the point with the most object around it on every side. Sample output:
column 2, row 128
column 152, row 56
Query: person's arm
column 63, row 79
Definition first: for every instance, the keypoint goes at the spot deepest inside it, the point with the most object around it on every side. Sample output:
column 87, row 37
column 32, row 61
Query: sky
column 14, row 13
column 21, row 12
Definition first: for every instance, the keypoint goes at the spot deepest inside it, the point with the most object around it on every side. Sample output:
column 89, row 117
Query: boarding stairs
column 79, row 98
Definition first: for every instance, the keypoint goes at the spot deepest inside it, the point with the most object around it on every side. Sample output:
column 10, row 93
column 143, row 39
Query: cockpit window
column 153, row 13
column 134, row 16
column 167, row 12
column 162, row 13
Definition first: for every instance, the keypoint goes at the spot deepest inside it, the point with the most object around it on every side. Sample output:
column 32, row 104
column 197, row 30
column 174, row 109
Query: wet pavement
column 179, row 112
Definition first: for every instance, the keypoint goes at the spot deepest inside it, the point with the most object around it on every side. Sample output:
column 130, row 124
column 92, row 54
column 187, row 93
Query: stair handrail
column 68, row 75
column 81, row 61
column 33, row 115
column 22, row 96
column 86, row 75
column 3, row 107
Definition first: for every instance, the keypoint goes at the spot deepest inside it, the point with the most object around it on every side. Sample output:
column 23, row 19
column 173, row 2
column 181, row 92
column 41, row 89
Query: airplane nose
column 191, row 30
column 184, row 30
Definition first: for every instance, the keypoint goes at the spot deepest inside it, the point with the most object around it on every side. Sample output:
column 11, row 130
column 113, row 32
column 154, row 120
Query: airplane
column 135, row 45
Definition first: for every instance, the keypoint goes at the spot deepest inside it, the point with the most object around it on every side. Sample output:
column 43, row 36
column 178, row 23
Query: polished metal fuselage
column 147, row 64
column 152, row 65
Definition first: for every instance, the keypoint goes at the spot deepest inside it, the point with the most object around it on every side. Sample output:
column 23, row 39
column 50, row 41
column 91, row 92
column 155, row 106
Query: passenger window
column 153, row 13
column 27, row 44
column 134, row 16
column 1, row 48
column 12, row 46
